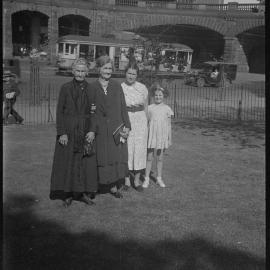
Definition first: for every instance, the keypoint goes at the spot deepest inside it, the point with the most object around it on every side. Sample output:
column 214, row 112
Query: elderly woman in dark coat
column 74, row 174
column 112, row 158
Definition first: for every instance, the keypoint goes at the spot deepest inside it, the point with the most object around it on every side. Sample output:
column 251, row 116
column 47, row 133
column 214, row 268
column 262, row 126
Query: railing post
column 34, row 82
column 49, row 104
column 239, row 111
column 175, row 110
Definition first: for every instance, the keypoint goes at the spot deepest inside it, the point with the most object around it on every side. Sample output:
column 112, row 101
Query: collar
column 81, row 85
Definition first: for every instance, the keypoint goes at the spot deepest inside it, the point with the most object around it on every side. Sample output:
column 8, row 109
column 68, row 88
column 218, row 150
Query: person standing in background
column 10, row 94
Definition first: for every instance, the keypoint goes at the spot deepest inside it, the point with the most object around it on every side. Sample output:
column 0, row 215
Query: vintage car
column 211, row 73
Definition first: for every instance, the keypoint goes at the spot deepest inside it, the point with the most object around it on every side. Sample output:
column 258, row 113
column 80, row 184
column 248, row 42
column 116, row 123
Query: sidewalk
column 249, row 77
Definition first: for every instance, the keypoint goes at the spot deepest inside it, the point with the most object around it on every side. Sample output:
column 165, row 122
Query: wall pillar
column 233, row 52
column 52, row 36
column 7, row 33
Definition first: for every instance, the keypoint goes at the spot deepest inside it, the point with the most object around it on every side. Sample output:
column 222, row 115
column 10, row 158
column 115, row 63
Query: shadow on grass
column 31, row 243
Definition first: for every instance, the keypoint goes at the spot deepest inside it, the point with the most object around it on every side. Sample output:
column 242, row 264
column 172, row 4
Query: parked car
column 212, row 73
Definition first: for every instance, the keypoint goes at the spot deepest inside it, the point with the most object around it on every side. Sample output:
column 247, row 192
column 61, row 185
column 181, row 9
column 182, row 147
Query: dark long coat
column 111, row 111
column 71, row 171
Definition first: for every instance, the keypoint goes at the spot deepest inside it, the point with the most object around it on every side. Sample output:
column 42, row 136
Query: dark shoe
column 67, row 202
column 117, row 195
column 92, row 195
column 139, row 188
column 86, row 200
column 125, row 188
column 19, row 121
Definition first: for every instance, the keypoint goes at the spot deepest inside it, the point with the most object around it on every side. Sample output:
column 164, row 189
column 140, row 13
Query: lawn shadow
column 31, row 243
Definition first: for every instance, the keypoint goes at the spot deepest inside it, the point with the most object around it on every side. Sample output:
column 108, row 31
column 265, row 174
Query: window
column 60, row 48
column 70, row 48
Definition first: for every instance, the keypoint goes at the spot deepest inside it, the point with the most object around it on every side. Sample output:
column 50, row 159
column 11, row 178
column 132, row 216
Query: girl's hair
column 132, row 65
column 103, row 60
column 157, row 87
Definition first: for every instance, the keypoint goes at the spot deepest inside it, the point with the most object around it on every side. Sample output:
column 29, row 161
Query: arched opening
column 253, row 44
column 29, row 30
column 73, row 25
column 206, row 43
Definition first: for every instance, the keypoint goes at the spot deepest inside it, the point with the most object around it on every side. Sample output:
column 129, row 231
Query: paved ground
column 210, row 216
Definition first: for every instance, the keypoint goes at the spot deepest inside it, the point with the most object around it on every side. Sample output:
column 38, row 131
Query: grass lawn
column 211, row 215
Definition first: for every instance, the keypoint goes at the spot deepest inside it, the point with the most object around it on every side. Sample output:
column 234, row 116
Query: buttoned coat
column 70, row 172
column 110, row 113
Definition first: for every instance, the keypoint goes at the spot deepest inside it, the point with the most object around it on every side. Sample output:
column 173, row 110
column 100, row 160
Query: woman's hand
column 125, row 132
column 63, row 139
column 90, row 136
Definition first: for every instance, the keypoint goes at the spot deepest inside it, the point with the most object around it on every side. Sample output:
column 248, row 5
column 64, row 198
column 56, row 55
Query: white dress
column 159, row 134
column 136, row 95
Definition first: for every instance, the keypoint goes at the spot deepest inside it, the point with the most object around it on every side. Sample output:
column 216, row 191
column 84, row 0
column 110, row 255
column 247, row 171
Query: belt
column 135, row 108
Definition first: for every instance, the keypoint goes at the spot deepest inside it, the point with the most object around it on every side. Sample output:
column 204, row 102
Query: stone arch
column 248, row 25
column 29, row 30
column 73, row 24
column 252, row 42
column 77, row 12
column 139, row 20
column 206, row 43
column 25, row 7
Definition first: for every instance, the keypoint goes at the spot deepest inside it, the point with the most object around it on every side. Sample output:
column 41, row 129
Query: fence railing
column 172, row 5
column 188, row 5
column 237, row 102
column 242, row 102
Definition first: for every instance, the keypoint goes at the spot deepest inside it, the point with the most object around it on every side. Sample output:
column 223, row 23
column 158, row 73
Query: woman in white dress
column 136, row 96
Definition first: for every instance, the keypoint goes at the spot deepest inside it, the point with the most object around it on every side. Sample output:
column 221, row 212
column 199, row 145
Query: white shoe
column 145, row 182
column 160, row 182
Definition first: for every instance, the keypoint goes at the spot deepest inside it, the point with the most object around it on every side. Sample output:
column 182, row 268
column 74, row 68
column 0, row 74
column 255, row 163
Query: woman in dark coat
column 112, row 158
column 74, row 174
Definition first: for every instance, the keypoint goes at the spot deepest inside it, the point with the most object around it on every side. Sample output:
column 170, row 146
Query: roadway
column 49, row 73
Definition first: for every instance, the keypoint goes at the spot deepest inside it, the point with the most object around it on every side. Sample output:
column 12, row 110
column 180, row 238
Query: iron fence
column 242, row 102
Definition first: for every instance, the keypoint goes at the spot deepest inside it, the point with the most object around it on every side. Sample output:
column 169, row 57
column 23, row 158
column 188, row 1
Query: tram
column 175, row 57
column 170, row 58
column 71, row 47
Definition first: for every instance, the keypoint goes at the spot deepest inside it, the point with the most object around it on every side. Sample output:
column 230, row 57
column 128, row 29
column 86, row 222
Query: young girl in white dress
column 159, row 132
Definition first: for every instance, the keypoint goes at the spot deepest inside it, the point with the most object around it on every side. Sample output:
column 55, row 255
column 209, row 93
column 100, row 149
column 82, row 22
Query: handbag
column 117, row 135
column 88, row 149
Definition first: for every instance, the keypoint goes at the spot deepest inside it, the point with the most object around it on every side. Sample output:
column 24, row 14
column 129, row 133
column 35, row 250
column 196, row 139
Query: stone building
column 237, row 35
